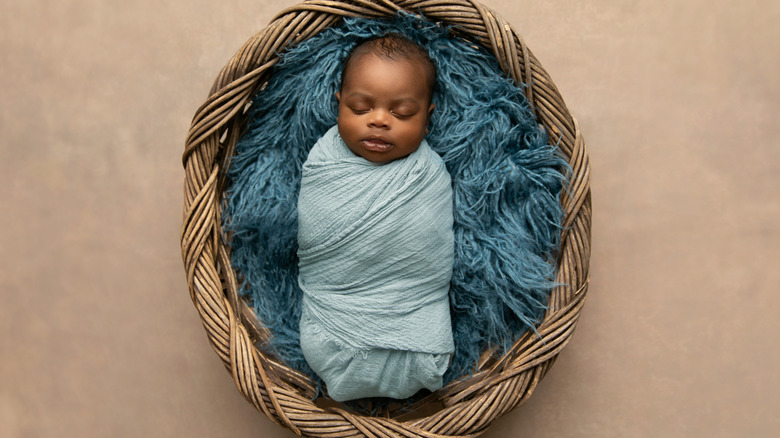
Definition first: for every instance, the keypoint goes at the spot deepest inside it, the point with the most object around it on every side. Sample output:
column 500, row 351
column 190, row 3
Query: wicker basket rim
column 465, row 407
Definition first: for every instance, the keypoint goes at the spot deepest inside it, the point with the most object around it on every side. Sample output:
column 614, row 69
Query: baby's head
column 385, row 100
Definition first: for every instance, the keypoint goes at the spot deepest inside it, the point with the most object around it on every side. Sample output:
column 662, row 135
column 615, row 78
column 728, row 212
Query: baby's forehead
column 378, row 57
column 369, row 59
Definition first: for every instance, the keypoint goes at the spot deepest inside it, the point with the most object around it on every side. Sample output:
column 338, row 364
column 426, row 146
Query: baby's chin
column 377, row 155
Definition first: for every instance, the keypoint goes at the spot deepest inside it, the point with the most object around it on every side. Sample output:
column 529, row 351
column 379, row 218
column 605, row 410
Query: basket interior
column 507, row 182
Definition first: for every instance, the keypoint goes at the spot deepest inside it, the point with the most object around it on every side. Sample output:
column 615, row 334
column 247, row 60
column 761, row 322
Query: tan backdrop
column 678, row 101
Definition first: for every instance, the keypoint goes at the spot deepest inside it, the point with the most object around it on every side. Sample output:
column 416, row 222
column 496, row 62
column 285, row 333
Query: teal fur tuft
column 507, row 182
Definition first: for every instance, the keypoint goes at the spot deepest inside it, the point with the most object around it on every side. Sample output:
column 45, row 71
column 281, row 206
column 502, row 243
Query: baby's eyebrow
column 357, row 94
column 405, row 100
column 361, row 95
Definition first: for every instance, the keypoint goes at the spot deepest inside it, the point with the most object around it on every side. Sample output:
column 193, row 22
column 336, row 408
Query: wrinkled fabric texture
column 354, row 374
column 375, row 249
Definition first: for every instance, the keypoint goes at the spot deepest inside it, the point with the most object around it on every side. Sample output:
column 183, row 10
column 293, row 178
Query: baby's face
column 384, row 107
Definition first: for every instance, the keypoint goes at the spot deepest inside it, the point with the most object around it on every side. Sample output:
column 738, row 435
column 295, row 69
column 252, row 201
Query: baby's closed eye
column 404, row 111
column 360, row 109
column 402, row 114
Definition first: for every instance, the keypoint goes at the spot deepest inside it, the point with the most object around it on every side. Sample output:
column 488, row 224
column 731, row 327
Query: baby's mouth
column 376, row 144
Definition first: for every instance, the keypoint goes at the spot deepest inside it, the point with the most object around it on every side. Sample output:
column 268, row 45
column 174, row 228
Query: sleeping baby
column 375, row 232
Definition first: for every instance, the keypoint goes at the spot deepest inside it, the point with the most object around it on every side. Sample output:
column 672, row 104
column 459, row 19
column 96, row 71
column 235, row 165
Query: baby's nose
column 379, row 118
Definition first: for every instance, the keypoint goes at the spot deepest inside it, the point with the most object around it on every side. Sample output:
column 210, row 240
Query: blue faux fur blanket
column 506, row 182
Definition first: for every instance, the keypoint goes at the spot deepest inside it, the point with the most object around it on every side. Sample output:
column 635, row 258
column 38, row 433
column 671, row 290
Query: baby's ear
column 338, row 96
column 430, row 111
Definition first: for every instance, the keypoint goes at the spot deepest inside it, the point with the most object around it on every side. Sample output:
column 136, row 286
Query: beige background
column 678, row 101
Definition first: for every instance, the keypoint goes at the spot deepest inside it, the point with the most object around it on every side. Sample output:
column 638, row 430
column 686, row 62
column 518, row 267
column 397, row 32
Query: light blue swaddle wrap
column 375, row 263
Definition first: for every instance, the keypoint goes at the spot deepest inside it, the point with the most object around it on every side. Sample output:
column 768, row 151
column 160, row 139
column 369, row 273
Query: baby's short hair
column 395, row 47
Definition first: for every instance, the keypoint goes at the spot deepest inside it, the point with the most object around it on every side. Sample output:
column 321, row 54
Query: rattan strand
column 462, row 408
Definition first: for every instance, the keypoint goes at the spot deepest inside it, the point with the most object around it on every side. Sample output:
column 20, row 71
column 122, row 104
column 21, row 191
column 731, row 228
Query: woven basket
column 462, row 408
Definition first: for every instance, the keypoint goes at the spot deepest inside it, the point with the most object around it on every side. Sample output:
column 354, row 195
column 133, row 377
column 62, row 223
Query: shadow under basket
column 464, row 407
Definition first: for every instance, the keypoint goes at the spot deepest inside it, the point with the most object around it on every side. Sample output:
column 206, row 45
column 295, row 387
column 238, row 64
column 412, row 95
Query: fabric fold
column 376, row 248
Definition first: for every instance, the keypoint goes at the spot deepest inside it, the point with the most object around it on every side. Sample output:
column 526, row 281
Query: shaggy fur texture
column 506, row 183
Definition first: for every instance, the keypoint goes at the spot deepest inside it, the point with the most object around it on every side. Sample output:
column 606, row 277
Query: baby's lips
column 376, row 144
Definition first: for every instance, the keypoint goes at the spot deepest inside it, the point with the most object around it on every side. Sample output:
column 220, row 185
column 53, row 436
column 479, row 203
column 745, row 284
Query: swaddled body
column 376, row 252
column 375, row 232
